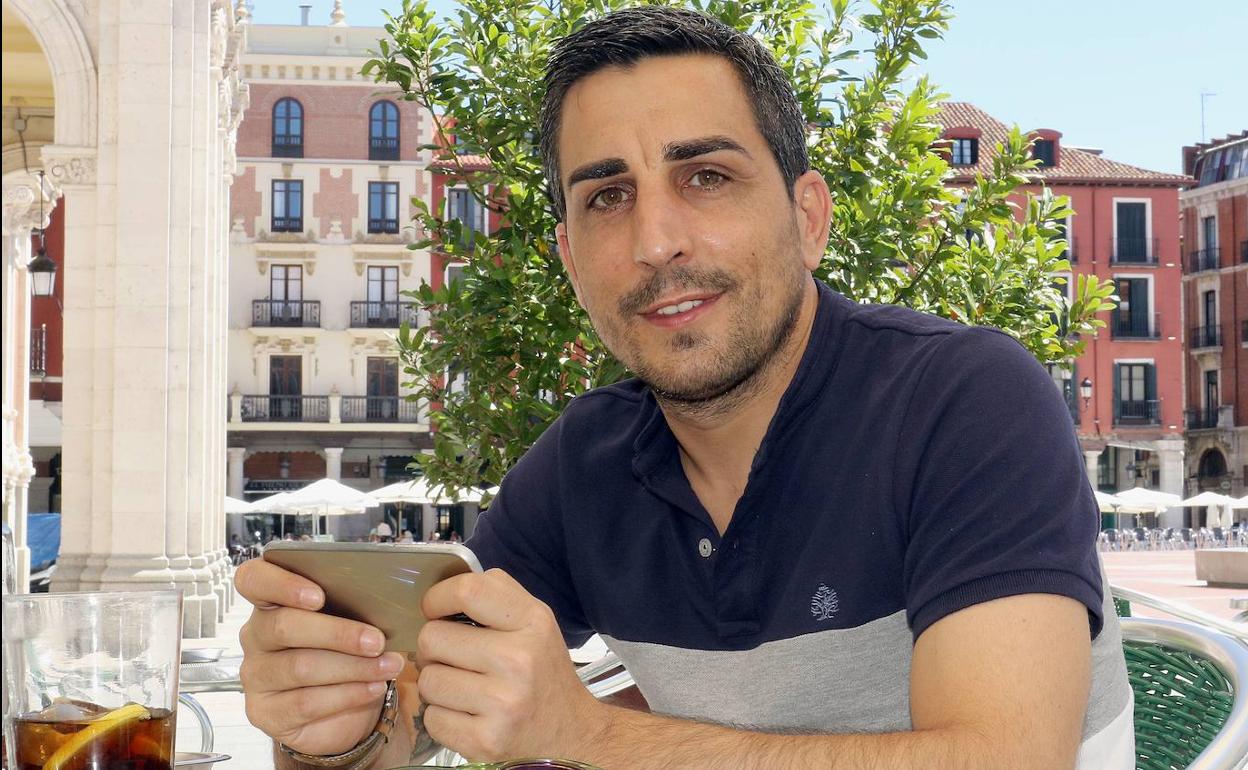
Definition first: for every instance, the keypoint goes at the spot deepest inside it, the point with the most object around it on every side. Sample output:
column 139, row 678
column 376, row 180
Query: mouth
column 677, row 311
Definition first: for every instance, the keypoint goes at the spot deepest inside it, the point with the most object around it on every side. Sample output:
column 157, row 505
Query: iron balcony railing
column 1124, row 326
column 380, row 148
column 376, row 225
column 287, row 146
column 1134, row 251
column 1204, row 259
column 286, row 312
column 285, row 409
column 1201, row 419
column 379, row 409
column 383, row 315
column 287, row 224
column 39, row 350
column 1137, row 412
column 1205, row 337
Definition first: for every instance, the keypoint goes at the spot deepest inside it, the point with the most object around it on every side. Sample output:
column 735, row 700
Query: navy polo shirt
column 914, row 467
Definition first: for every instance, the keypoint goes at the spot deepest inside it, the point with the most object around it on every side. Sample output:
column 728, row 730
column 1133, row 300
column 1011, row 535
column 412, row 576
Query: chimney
column 304, row 11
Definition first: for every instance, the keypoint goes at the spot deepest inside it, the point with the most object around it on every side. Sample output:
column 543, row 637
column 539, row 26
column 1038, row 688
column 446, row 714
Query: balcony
column 284, row 409
column 287, row 225
column 287, row 146
column 380, row 148
column 1134, row 251
column 1204, row 259
column 39, row 350
column 379, row 409
column 1139, row 413
column 383, row 315
column 1123, row 326
column 376, row 225
column 285, row 313
column 1200, row 337
column 1201, row 419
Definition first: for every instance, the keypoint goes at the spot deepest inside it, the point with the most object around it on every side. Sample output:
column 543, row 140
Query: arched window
column 287, row 129
column 383, row 132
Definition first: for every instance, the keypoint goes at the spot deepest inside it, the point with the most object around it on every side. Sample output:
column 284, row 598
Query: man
column 818, row 534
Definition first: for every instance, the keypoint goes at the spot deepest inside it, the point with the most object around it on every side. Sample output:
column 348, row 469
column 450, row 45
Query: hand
column 505, row 690
column 312, row 681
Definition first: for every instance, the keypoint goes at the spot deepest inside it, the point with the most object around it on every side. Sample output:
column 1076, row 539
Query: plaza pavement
column 1168, row 574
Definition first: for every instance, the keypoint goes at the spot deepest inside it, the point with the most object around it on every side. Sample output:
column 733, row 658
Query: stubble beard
column 729, row 376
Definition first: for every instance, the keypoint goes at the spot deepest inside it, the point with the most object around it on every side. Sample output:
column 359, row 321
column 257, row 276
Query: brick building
column 1125, row 229
column 321, row 223
column 1215, row 298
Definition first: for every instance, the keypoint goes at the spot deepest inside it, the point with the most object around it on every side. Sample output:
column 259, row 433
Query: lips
column 678, row 311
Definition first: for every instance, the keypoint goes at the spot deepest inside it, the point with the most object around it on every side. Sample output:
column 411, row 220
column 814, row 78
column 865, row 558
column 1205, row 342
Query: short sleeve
column 991, row 485
column 522, row 534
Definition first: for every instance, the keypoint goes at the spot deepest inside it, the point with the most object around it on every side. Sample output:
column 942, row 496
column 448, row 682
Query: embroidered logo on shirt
column 825, row 603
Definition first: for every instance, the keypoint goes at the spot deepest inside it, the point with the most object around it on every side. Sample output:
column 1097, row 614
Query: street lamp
column 42, row 269
column 1085, row 390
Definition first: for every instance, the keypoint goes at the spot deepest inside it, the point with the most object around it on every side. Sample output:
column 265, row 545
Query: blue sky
column 1119, row 75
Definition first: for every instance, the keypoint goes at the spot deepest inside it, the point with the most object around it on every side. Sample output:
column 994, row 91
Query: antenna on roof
column 1204, row 96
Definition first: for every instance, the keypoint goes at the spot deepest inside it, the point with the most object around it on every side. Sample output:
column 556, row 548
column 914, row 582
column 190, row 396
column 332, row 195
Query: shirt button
column 705, row 548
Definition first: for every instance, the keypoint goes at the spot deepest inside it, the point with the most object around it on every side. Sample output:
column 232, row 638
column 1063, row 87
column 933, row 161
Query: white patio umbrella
column 1221, row 503
column 1139, row 497
column 326, row 497
column 1239, row 502
column 234, row 505
column 1107, row 502
column 419, row 492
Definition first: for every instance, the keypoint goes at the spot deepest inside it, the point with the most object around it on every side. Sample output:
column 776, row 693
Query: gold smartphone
column 381, row 584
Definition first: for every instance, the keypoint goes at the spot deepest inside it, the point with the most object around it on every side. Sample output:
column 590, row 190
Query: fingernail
column 372, row 642
column 376, row 688
column 310, row 598
column 390, row 664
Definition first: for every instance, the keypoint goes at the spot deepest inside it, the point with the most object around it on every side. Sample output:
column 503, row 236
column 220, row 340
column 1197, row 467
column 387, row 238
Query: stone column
column 23, row 194
column 333, row 463
column 1171, row 455
column 1092, row 464
column 237, row 454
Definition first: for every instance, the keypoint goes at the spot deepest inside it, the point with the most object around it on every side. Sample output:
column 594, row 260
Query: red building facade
column 1125, row 230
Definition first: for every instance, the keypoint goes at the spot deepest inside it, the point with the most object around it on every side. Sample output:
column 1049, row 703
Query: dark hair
column 622, row 38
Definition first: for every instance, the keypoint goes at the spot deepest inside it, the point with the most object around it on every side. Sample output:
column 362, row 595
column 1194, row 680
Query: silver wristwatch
column 363, row 753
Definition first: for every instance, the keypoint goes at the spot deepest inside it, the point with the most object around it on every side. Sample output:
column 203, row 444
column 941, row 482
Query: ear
column 565, row 256
column 812, row 201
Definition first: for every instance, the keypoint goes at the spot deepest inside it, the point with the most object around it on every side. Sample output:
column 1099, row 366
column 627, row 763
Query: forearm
column 629, row 740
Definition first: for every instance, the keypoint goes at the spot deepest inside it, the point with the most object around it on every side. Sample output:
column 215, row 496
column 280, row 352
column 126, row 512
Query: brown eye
column 707, row 178
column 608, row 198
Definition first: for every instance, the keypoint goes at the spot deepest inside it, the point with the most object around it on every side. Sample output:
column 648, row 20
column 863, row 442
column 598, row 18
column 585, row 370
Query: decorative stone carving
column 21, row 204
column 64, row 166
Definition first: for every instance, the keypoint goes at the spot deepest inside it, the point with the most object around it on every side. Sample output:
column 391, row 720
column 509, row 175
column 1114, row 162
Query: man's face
column 680, row 238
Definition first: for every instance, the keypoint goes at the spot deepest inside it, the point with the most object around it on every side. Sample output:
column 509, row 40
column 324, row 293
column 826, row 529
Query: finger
column 286, row 713
column 293, row 669
column 457, row 731
column 285, row 628
column 472, row 648
column 491, row 598
column 456, row 689
column 267, row 585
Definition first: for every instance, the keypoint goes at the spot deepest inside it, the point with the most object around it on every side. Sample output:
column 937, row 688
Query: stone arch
column 1212, row 465
column 69, row 57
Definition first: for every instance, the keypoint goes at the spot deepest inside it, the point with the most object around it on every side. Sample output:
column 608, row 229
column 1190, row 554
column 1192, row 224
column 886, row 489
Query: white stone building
column 144, row 99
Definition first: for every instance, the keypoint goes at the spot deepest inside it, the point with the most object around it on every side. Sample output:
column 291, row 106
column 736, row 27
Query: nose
column 661, row 228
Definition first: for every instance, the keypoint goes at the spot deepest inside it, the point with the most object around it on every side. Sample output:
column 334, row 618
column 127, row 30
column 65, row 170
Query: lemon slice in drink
column 97, row 728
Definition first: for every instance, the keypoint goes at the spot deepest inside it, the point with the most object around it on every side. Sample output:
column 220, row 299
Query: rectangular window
column 1133, row 317
column 1209, row 233
column 1064, row 230
column 287, row 205
column 454, row 274
column 285, row 388
column 462, row 206
column 1045, row 151
column 383, row 207
column 1211, row 391
column 383, row 284
column 1135, row 399
column 1131, row 234
column 285, row 295
column 383, row 377
column 964, row 152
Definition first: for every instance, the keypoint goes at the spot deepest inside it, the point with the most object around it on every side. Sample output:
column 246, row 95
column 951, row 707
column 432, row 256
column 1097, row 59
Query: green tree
column 983, row 255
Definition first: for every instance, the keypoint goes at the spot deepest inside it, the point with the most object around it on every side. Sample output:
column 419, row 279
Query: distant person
column 385, row 532
column 455, row 537
column 406, row 537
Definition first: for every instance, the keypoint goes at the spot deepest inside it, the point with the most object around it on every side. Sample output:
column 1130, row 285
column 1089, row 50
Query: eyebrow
column 672, row 151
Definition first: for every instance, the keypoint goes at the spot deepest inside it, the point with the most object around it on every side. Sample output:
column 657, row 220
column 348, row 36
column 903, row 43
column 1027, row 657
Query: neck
column 718, row 440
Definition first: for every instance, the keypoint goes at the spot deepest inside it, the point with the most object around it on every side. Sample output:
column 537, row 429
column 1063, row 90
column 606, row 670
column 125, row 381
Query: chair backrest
column 1191, row 703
